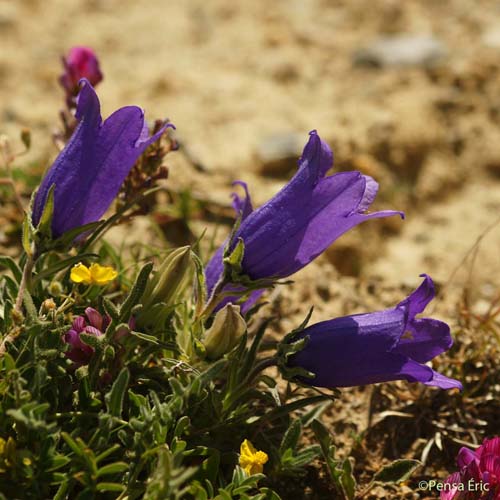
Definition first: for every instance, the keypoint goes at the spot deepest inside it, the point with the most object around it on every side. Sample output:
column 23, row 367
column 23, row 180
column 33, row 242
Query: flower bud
column 55, row 288
column 81, row 62
column 47, row 306
column 225, row 332
column 170, row 278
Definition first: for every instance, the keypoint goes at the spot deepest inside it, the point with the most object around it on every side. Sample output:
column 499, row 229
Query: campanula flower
column 251, row 460
column 81, row 62
column 93, row 323
column 377, row 347
column 302, row 220
column 479, row 474
column 89, row 171
column 93, row 275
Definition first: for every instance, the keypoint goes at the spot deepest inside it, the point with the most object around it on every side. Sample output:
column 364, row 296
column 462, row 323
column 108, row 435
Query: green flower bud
column 226, row 330
column 170, row 278
column 165, row 288
column 55, row 288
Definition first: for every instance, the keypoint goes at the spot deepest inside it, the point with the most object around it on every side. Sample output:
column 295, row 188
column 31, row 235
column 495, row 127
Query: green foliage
column 141, row 420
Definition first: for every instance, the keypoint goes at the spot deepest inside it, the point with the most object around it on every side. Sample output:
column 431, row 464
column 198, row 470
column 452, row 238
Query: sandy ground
column 236, row 76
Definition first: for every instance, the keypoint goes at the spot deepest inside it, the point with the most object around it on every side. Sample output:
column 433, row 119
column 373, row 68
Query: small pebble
column 401, row 50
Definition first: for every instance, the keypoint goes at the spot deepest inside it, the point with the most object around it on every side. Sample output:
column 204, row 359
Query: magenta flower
column 89, row 171
column 302, row 220
column 479, row 474
column 93, row 323
column 81, row 62
column 377, row 347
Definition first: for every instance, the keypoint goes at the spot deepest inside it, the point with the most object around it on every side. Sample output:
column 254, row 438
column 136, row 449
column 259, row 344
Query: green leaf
column 45, row 223
column 111, row 309
column 135, row 294
column 182, row 425
column 114, row 398
column 270, row 494
column 77, row 450
column 110, row 487
column 27, row 236
column 10, row 263
column 234, row 259
column 114, row 468
column 91, row 340
column 67, row 238
column 200, row 282
column 347, row 480
column 8, row 362
column 107, row 452
column 397, row 471
column 58, row 461
column 306, row 456
column 62, row 491
column 291, row 437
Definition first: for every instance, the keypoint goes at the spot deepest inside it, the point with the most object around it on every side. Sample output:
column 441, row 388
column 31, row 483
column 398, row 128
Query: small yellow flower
column 251, row 460
column 93, row 275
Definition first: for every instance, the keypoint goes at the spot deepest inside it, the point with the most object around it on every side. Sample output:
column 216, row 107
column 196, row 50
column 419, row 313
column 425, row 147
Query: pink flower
column 479, row 474
column 81, row 62
column 93, row 323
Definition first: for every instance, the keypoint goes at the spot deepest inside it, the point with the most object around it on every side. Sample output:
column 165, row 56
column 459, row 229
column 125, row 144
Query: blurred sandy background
column 408, row 92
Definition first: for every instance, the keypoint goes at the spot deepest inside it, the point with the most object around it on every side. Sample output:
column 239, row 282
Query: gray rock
column 278, row 154
column 401, row 50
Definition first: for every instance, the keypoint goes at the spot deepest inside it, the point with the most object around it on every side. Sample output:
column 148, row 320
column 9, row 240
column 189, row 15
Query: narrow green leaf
column 114, row 398
column 397, row 471
column 110, row 487
column 135, row 294
column 45, row 223
column 347, row 480
column 291, row 437
column 27, row 236
column 77, row 450
column 111, row 309
column 114, row 468
column 10, row 263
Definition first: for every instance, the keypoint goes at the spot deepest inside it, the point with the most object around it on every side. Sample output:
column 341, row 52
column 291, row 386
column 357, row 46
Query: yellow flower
column 93, row 275
column 251, row 460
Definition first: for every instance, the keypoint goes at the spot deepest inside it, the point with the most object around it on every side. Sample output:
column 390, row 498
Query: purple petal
column 369, row 348
column 94, row 163
column 214, row 268
column 72, row 338
column 305, row 217
column 449, row 492
column 417, row 301
column 490, row 446
column 371, row 190
column 92, row 331
column 95, row 318
column 465, row 457
column 79, row 323
column 355, row 350
column 316, row 159
column 443, row 382
column 241, row 206
column 427, row 338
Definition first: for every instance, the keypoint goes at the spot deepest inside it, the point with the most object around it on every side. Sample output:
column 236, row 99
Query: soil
column 242, row 80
